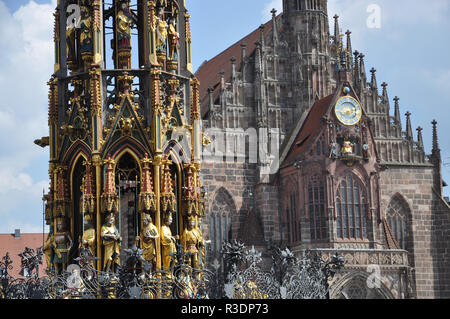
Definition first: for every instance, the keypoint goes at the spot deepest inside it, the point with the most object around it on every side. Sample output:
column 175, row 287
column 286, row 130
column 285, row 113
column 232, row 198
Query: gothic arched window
column 351, row 207
column 317, row 208
column 292, row 221
column 220, row 219
column 396, row 217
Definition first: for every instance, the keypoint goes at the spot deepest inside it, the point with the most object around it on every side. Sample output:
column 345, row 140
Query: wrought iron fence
column 243, row 276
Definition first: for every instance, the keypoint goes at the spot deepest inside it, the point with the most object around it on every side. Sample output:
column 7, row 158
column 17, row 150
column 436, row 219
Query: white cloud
column 273, row 4
column 26, row 64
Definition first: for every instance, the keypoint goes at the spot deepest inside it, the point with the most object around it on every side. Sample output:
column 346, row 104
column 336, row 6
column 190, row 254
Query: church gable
column 306, row 134
column 343, row 120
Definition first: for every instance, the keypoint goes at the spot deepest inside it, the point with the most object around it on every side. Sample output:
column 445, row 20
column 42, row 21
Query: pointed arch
column 129, row 151
column 221, row 213
column 129, row 143
column 171, row 150
column 354, row 286
column 178, row 153
column 76, row 175
column 399, row 218
column 72, row 154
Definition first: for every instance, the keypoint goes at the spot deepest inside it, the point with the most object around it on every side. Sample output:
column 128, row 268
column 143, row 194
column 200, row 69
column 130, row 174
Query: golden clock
column 348, row 111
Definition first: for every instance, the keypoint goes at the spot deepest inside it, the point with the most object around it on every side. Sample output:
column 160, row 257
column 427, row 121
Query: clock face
column 348, row 111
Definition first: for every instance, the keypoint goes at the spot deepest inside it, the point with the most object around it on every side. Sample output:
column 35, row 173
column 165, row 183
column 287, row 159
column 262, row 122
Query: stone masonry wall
column 237, row 179
column 415, row 185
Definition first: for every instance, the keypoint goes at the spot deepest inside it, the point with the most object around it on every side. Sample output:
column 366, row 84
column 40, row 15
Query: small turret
column 409, row 134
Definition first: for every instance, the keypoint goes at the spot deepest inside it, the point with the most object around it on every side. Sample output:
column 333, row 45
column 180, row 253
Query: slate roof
column 309, row 128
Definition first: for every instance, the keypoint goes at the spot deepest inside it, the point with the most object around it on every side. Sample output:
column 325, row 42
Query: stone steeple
column 306, row 29
column 436, row 160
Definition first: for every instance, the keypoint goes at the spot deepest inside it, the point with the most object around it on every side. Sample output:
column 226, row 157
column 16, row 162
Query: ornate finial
column 274, row 12
column 336, row 31
column 419, row 137
column 362, row 68
column 373, row 81
column 436, row 149
column 384, row 85
column 356, row 65
column 409, row 134
column 147, row 197
column 349, row 43
column 397, row 110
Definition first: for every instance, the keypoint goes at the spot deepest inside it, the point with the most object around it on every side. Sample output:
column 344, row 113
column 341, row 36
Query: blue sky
column 409, row 51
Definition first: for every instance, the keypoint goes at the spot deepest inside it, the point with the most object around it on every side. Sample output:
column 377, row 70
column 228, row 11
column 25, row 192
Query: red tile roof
column 15, row 246
column 309, row 128
column 208, row 72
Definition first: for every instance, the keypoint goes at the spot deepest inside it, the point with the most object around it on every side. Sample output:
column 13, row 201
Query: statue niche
column 127, row 178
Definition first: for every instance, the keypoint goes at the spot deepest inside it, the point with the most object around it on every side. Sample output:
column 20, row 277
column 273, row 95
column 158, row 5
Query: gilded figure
column 347, row 148
column 111, row 243
column 89, row 238
column 174, row 37
column 161, row 32
column 168, row 243
column 147, row 240
column 125, row 20
column 192, row 242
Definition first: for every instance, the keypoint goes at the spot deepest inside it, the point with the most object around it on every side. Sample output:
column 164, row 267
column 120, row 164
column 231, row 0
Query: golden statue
column 167, row 243
column 174, row 37
column 161, row 32
column 111, row 242
column 347, row 148
column 89, row 239
column 125, row 20
column 62, row 244
column 192, row 242
column 147, row 240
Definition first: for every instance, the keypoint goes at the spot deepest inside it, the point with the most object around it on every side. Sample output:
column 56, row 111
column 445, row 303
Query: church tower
column 307, row 31
column 125, row 137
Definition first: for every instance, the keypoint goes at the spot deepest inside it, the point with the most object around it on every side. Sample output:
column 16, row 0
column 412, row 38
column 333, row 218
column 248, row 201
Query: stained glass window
column 351, row 210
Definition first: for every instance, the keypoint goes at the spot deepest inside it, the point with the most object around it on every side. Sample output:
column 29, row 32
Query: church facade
column 308, row 151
